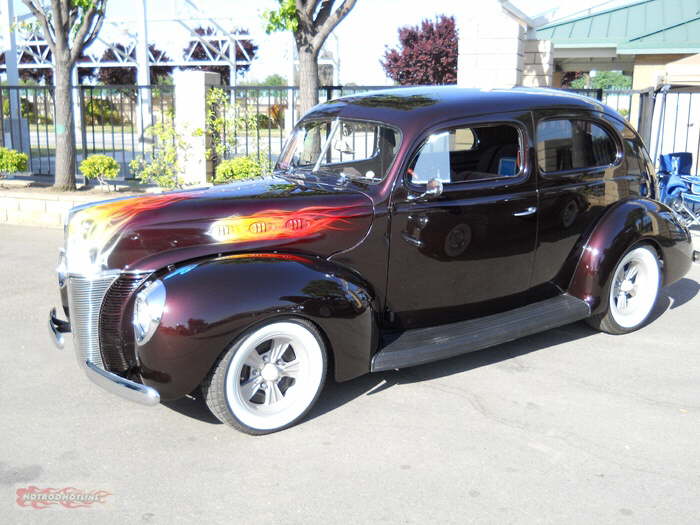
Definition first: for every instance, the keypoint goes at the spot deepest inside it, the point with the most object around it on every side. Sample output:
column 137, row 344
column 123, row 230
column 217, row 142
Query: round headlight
column 148, row 310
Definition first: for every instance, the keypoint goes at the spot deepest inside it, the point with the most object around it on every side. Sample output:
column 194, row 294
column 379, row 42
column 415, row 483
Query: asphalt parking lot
column 568, row 426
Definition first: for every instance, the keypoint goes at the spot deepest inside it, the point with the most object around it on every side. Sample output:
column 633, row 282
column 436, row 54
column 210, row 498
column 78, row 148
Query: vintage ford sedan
column 399, row 227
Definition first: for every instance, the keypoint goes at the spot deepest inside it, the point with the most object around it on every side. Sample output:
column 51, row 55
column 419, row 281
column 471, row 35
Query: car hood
column 150, row 232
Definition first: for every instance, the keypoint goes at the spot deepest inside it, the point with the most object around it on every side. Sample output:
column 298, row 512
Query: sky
column 361, row 38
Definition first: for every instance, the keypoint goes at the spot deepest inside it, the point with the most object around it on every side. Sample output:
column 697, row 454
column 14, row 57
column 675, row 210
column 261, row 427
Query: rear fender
column 624, row 225
column 209, row 304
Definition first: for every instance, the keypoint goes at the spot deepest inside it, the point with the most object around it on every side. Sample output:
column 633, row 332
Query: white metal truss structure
column 221, row 48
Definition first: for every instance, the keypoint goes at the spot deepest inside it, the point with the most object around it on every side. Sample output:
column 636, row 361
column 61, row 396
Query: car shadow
column 193, row 406
column 336, row 394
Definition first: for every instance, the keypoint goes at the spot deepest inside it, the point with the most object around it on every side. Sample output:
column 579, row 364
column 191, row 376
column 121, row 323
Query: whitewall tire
column 631, row 293
column 270, row 378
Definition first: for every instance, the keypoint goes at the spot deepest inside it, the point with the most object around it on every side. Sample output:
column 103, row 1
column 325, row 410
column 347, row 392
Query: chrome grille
column 85, row 297
column 117, row 340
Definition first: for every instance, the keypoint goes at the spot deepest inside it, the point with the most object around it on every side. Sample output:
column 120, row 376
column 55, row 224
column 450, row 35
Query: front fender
column 625, row 224
column 211, row 303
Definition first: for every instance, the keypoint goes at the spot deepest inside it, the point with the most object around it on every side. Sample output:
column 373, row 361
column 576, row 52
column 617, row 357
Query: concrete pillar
column 491, row 46
column 143, row 71
column 190, row 118
column 539, row 64
column 12, row 128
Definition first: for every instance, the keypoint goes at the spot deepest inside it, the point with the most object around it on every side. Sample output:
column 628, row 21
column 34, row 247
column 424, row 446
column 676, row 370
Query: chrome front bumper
column 113, row 383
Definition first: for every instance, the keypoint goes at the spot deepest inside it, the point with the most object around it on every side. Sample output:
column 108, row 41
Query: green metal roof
column 642, row 27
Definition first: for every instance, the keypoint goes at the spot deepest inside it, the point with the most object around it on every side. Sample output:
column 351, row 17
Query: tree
column 427, row 54
column 69, row 27
column 274, row 80
column 603, row 80
column 118, row 75
column 126, row 75
column 311, row 21
column 196, row 50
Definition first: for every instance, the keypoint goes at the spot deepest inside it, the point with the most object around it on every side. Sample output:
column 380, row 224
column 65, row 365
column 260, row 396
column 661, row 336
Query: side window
column 564, row 144
column 467, row 154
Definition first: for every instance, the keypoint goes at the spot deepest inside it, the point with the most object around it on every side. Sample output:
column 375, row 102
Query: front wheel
column 269, row 379
column 632, row 292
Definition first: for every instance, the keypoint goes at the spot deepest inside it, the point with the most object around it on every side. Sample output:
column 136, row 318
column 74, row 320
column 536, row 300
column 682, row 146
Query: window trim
column 619, row 154
column 522, row 174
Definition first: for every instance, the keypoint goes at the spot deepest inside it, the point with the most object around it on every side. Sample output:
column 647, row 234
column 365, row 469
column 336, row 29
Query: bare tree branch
column 93, row 35
column 49, row 33
column 86, row 31
column 324, row 12
column 325, row 29
column 309, row 7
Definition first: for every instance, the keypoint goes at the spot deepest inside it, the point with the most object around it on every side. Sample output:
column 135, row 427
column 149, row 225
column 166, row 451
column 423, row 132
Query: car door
column 468, row 251
column 581, row 172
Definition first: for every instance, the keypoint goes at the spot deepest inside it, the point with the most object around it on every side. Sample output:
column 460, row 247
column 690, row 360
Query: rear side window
column 567, row 144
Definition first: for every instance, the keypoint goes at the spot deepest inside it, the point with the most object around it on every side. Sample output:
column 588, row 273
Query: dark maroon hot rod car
column 399, row 227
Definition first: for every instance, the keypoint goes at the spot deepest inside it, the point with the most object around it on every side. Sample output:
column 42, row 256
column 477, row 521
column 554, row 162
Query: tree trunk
column 65, row 128
column 308, row 79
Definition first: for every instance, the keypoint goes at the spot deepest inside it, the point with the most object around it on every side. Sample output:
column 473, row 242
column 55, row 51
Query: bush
column 12, row 161
column 163, row 167
column 100, row 167
column 263, row 121
column 103, row 111
column 240, row 168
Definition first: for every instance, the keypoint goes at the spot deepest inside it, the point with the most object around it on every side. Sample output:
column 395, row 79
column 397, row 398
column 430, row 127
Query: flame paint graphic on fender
column 282, row 224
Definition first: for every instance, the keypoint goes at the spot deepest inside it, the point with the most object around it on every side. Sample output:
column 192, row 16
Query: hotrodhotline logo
column 67, row 497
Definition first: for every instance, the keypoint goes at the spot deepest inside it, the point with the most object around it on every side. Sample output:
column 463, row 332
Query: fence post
column 191, row 123
column 83, row 130
column 2, row 121
column 646, row 115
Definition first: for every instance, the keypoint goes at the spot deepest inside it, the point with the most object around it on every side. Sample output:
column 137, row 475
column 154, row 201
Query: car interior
column 468, row 154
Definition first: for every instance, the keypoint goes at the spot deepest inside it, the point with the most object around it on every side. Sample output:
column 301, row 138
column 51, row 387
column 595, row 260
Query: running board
column 423, row 345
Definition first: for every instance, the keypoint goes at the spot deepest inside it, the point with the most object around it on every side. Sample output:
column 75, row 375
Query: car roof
column 425, row 105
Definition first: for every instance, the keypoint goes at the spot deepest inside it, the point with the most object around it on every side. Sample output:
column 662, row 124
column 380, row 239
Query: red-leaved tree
column 427, row 53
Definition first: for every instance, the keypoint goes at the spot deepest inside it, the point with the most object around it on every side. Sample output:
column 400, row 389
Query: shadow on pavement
column 336, row 395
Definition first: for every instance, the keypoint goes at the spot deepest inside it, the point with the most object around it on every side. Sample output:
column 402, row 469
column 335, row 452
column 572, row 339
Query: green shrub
column 12, row 161
column 240, row 168
column 163, row 167
column 100, row 167
column 263, row 121
column 102, row 111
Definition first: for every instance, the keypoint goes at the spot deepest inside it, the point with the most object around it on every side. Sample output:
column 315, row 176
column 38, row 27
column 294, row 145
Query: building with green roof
column 655, row 41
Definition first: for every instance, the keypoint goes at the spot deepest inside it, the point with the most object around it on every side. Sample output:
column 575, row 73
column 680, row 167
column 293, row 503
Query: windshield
column 351, row 148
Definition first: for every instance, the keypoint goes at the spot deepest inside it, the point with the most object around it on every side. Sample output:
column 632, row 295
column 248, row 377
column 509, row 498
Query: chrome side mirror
column 433, row 189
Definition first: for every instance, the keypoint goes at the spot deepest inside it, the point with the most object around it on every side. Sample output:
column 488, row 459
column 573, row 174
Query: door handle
column 411, row 240
column 530, row 211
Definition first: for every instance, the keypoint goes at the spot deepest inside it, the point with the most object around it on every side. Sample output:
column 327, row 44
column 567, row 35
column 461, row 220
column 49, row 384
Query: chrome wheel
column 635, row 287
column 274, row 375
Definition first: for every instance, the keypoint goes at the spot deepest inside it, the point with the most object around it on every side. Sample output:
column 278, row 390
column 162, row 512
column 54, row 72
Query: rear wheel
column 269, row 379
column 631, row 293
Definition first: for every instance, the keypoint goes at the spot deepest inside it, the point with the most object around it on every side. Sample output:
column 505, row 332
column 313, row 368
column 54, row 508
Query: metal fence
column 676, row 124
column 255, row 120
column 113, row 120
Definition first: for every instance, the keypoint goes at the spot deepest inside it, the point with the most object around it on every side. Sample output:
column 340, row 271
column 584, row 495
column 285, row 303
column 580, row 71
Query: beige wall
column 539, row 63
column 650, row 70
column 490, row 47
